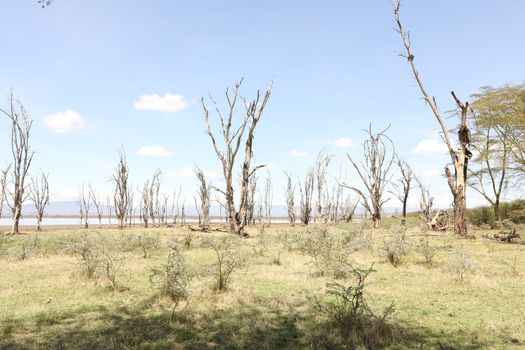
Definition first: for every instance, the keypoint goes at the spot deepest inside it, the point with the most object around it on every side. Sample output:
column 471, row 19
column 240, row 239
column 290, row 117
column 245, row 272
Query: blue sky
column 81, row 67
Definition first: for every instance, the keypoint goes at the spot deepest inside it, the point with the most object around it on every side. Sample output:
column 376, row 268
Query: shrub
column 330, row 252
column 396, row 246
column 147, row 243
column 172, row 279
column 111, row 261
column 228, row 260
column 461, row 262
column 87, row 251
column 350, row 313
column 427, row 250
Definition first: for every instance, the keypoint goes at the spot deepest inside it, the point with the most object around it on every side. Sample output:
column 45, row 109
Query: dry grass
column 46, row 303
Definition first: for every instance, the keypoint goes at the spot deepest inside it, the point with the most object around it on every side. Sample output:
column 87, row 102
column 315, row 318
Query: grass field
column 47, row 303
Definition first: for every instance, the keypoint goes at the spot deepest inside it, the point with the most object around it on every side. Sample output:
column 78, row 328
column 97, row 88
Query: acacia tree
column 22, row 157
column 401, row 188
column 426, row 202
column 374, row 172
column 458, row 181
column 121, row 197
column 232, row 140
column 39, row 194
column 289, row 196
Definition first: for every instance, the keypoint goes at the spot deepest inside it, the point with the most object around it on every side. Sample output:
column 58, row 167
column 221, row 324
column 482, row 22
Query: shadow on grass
column 252, row 327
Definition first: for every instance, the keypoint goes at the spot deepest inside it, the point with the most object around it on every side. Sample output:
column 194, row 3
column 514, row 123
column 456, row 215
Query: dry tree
column 232, row 140
column 84, row 205
column 39, row 194
column 121, row 197
column 426, row 202
column 401, row 188
column 459, row 155
column 268, row 200
column 321, row 166
column 374, row 172
column 249, row 218
column 305, row 204
column 22, row 156
column 3, row 187
column 289, row 196
column 204, row 196
column 97, row 202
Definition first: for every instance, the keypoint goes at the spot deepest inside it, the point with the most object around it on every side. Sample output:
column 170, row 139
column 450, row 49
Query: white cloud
column 153, row 151
column 166, row 103
column 188, row 172
column 299, row 154
column 430, row 173
column 430, row 146
column 343, row 142
column 64, row 122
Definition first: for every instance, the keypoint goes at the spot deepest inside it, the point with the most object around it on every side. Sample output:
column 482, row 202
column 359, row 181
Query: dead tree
column 204, row 197
column 374, row 173
column 110, row 209
column 349, row 207
column 121, row 197
column 3, row 187
column 321, row 165
column 84, row 205
column 268, row 200
column 289, row 196
column 232, row 140
column 306, row 197
column 250, row 200
column 39, row 194
column 97, row 202
column 426, row 203
column 401, row 188
column 129, row 215
column 459, row 157
column 22, row 157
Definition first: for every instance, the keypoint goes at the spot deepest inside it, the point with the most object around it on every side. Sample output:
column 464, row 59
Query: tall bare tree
column 289, row 196
column 97, row 202
column 268, row 200
column 39, row 194
column 402, row 187
column 22, row 157
column 426, row 203
column 121, row 197
column 458, row 181
column 204, row 197
column 306, row 197
column 84, row 205
column 374, row 172
column 321, row 166
column 232, row 140
column 3, row 187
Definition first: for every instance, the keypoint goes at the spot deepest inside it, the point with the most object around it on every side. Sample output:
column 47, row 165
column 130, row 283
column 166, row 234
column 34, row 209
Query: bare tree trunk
column 22, row 156
column 460, row 158
column 306, row 197
column 374, row 173
column 321, row 166
column 3, row 188
column 268, row 200
column 98, row 204
column 289, row 195
column 232, row 142
column 204, row 195
column 121, row 195
column 39, row 194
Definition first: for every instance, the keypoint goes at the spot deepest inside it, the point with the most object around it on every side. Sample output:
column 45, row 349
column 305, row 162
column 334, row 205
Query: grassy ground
column 45, row 301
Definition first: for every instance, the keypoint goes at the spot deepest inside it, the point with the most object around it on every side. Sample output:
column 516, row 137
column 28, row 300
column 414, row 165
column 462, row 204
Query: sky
column 99, row 75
